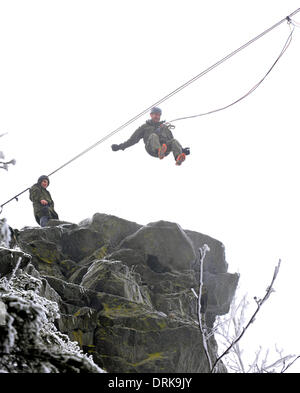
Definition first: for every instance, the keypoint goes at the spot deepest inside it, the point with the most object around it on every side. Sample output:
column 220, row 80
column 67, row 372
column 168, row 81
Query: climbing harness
column 180, row 88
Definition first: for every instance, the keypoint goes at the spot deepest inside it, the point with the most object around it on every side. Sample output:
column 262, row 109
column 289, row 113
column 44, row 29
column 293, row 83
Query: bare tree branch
column 259, row 303
column 290, row 364
column 203, row 250
column 4, row 165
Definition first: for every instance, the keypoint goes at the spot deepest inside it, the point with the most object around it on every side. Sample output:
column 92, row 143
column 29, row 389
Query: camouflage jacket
column 36, row 194
column 144, row 131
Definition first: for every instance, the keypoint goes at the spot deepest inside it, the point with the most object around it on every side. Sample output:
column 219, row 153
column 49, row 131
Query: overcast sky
column 72, row 71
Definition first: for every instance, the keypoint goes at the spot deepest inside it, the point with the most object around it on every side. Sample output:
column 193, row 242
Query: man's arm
column 135, row 138
column 36, row 196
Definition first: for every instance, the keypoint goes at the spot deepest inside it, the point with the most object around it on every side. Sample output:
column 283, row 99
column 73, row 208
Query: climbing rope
column 293, row 22
column 171, row 94
column 285, row 47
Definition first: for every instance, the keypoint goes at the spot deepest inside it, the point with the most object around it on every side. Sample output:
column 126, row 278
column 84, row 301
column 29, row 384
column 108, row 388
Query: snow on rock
column 29, row 339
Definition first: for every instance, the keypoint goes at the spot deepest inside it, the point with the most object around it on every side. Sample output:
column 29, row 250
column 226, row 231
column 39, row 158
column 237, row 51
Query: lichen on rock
column 123, row 292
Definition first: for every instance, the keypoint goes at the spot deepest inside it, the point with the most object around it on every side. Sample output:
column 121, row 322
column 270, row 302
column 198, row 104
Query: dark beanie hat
column 44, row 177
column 155, row 109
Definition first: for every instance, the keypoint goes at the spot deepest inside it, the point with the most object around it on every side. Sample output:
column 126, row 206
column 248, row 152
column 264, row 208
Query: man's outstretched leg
column 180, row 158
column 177, row 151
column 162, row 151
column 155, row 148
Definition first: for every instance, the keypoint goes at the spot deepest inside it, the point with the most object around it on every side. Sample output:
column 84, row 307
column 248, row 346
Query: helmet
column 44, row 177
column 155, row 109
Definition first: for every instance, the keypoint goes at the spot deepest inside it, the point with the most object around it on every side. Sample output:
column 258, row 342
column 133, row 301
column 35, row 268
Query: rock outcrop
column 124, row 291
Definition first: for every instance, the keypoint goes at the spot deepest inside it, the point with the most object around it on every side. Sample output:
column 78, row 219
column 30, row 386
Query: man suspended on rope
column 158, row 139
column 43, row 205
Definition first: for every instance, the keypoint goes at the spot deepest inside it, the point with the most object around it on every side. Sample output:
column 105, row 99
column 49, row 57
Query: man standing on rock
column 43, row 205
column 158, row 139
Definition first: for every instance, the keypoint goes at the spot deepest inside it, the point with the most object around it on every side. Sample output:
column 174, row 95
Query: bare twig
column 259, row 303
column 290, row 364
column 253, row 365
column 203, row 250
column 4, row 165
column 15, row 269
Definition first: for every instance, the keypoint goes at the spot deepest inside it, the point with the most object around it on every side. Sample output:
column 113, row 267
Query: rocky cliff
column 123, row 292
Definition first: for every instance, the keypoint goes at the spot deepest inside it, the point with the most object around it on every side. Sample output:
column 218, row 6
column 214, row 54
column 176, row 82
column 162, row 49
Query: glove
column 186, row 151
column 115, row 147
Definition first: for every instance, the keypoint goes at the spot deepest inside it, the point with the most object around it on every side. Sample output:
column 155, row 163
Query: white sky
column 72, row 71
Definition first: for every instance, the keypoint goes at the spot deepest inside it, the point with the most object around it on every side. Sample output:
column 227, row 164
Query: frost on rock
column 29, row 340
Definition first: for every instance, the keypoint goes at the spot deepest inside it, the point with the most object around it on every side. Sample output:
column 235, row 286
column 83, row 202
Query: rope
column 285, row 47
column 296, row 24
column 171, row 94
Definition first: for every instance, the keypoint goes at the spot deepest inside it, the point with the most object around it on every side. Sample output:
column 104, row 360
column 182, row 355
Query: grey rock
column 115, row 278
column 221, row 289
column 113, row 229
column 9, row 259
column 214, row 261
column 124, row 290
column 69, row 293
column 166, row 245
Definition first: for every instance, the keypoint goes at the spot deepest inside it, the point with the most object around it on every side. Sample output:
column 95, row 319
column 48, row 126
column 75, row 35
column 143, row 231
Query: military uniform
column 36, row 194
column 154, row 135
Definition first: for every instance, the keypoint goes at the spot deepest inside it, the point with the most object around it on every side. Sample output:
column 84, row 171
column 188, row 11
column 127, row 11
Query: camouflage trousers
column 154, row 143
column 46, row 215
